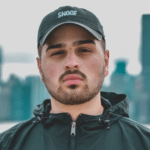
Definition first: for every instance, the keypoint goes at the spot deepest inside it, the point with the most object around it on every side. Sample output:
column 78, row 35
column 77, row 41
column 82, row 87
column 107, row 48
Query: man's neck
column 92, row 107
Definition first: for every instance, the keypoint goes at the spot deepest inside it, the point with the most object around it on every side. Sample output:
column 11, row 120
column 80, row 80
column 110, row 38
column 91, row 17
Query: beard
column 74, row 96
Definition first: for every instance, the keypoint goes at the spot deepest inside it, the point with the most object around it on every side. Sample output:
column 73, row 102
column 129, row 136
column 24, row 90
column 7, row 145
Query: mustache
column 72, row 72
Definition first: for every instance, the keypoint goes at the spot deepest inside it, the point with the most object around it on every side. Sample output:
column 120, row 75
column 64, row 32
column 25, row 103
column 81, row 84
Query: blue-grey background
column 127, row 29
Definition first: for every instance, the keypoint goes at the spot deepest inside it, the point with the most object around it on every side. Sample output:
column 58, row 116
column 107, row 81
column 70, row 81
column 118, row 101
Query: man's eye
column 58, row 53
column 84, row 50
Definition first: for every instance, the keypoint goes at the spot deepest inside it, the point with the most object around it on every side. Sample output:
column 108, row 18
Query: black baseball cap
column 73, row 15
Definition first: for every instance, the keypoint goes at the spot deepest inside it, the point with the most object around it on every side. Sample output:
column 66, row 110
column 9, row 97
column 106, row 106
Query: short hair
column 102, row 42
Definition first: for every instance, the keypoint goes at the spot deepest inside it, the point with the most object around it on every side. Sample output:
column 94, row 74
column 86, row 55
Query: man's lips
column 72, row 79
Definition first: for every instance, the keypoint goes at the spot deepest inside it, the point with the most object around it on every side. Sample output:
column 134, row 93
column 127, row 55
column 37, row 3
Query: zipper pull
column 73, row 128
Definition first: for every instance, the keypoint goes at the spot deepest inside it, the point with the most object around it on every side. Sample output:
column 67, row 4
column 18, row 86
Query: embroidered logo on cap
column 67, row 13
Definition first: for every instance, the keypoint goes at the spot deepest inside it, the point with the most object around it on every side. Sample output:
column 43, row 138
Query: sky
column 20, row 20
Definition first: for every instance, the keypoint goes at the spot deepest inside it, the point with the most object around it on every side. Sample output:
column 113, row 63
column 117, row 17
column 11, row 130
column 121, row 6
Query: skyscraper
column 1, row 57
column 145, row 51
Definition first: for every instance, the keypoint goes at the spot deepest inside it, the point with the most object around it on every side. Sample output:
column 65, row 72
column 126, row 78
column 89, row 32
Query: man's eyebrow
column 55, row 46
column 76, row 43
column 83, row 42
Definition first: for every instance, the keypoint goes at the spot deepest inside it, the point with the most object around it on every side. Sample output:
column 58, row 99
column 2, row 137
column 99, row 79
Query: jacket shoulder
column 9, row 131
column 8, row 135
column 135, row 125
column 134, row 132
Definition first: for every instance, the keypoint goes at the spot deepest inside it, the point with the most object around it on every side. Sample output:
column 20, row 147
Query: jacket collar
column 114, row 105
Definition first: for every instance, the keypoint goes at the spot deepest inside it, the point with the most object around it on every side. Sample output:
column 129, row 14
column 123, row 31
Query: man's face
column 71, row 50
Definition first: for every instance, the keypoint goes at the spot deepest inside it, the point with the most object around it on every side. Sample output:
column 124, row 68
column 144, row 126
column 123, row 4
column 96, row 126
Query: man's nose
column 71, row 62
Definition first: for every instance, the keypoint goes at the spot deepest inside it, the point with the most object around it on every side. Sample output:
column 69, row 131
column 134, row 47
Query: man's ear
column 39, row 67
column 106, row 62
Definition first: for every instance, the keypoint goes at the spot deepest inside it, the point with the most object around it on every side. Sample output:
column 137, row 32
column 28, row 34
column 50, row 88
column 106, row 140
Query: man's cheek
column 51, row 71
column 93, row 66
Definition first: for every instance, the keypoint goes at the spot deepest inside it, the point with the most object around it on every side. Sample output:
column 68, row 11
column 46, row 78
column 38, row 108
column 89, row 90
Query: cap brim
column 96, row 34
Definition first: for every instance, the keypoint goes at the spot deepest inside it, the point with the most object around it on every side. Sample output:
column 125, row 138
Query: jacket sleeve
column 6, row 136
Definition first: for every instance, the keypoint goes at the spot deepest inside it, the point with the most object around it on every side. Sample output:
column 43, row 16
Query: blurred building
column 19, row 97
column 14, row 100
column 143, row 80
column 145, row 52
column 123, row 83
column 1, row 62
column 137, row 88
column 38, row 91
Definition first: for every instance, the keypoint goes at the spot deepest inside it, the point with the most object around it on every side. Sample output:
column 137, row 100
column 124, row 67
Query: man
column 73, row 63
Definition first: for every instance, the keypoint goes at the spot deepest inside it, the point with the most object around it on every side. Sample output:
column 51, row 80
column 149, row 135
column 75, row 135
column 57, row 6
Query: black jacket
column 113, row 130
